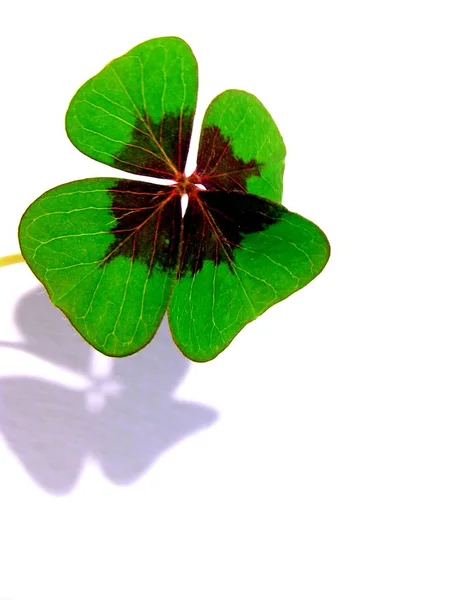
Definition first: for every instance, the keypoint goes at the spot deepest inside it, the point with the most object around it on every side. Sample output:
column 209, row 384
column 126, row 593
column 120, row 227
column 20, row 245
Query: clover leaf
column 116, row 254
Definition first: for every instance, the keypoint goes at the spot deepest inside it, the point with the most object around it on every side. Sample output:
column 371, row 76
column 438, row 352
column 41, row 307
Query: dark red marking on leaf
column 157, row 149
column 216, row 222
column 148, row 223
column 218, row 169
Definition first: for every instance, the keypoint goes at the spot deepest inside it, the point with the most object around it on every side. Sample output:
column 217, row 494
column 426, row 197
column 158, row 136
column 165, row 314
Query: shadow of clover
column 51, row 428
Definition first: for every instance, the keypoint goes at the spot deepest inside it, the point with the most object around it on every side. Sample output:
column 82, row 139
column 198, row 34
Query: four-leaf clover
column 115, row 254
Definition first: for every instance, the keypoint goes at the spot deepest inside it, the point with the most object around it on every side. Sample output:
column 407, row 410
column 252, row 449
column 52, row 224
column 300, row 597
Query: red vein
column 213, row 144
column 179, row 142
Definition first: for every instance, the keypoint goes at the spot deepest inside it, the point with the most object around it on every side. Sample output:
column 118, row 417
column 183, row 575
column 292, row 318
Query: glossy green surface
column 250, row 156
column 116, row 254
column 115, row 303
column 137, row 113
column 208, row 308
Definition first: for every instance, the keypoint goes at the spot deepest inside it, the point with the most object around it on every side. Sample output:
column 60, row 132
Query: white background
column 322, row 455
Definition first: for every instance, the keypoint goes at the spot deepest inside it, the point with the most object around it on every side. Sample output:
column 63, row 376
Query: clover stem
column 11, row 259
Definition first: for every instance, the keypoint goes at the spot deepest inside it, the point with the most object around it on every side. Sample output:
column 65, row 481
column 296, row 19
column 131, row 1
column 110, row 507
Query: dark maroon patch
column 218, row 169
column 157, row 149
column 148, row 224
column 216, row 222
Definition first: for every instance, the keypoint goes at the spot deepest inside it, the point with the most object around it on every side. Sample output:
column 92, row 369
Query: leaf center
column 187, row 185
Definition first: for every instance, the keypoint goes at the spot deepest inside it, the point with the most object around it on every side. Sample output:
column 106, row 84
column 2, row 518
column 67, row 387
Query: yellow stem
column 11, row 259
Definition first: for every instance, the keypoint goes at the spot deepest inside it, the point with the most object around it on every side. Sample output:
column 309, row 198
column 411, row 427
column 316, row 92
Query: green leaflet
column 116, row 254
column 90, row 247
column 241, row 149
column 256, row 254
column 137, row 113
